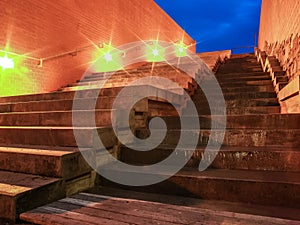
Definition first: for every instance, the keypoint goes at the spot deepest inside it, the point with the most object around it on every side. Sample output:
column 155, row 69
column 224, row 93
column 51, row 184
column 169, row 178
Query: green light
column 181, row 49
column 6, row 63
column 14, row 78
column 155, row 52
column 108, row 59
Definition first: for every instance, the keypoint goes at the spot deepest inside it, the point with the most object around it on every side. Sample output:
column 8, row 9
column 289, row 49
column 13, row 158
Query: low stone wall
column 213, row 59
column 287, row 87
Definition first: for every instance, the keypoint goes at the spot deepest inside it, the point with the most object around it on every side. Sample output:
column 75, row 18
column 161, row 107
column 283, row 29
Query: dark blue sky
column 216, row 24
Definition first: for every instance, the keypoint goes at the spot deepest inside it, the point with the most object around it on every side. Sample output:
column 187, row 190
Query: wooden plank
column 53, row 216
column 169, row 213
column 97, row 209
column 127, row 209
column 80, row 206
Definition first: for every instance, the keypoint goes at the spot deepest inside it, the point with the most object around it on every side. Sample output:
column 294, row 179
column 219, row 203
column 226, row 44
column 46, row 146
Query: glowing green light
column 181, row 49
column 155, row 52
column 108, row 59
column 6, row 63
column 14, row 74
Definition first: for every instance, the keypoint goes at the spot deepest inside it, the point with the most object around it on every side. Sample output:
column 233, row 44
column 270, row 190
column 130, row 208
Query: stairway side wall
column 42, row 28
column 280, row 33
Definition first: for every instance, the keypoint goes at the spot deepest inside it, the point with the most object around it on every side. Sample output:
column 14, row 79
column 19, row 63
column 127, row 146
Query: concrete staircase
column 258, row 162
column 39, row 157
column 259, row 159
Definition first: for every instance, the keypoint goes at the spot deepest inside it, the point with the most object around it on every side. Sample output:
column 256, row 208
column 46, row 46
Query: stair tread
column 236, row 148
column 34, row 151
column 221, row 174
column 85, row 208
column 235, row 207
column 13, row 184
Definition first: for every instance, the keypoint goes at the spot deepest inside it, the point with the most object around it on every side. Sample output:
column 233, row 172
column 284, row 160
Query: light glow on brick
column 181, row 49
column 6, row 63
column 108, row 57
column 155, row 52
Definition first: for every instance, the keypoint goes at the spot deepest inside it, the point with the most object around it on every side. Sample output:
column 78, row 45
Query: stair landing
column 87, row 208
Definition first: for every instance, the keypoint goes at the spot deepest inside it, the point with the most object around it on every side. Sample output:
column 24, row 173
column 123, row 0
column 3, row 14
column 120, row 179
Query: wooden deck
column 87, row 208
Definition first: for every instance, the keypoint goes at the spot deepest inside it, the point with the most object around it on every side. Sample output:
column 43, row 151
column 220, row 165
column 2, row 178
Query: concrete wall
column 280, row 33
column 43, row 28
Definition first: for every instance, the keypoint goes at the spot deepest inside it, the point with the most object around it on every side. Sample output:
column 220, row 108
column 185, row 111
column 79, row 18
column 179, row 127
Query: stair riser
column 237, row 90
column 239, row 70
column 262, row 193
column 238, row 160
column 243, row 75
column 241, row 110
column 238, row 122
column 228, row 84
column 11, row 206
column 66, row 166
column 234, row 137
column 238, row 103
column 243, row 79
column 234, row 96
column 69, row 95
column 54, row 137
column 58, row 119
column 61, row 95
column 67, row 105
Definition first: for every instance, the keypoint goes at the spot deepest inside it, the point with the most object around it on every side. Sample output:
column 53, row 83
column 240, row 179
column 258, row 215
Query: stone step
column 255, row 187
column 242, row 95
column 252, row 88
column 57, row 119
column 241, row 158
column 238, row 110
column 237, row 102
column 57, row 105
column 55, row 136
column 119, row 86
column 100, row 104
column 258, row 121
column 280, row 79
column 241, row 110
column 233, row 137
column 237, row 68
column 243, row 74
column 64, row 163
column 134, row 76
column 243, row 79
column 239, row 83
column 118, row 83
column 21, row 192
column 67, row 95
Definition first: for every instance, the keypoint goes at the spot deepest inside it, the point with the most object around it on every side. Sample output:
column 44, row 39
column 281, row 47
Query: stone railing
column 286, row 86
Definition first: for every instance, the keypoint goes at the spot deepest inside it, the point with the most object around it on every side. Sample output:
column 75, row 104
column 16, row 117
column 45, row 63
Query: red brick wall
column 42, row 28
column 280, row 32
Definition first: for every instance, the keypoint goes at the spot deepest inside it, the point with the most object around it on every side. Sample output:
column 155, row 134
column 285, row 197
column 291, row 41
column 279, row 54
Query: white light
column 155, row 52
column 180, row 49
column 6, row 63
column 108, row 57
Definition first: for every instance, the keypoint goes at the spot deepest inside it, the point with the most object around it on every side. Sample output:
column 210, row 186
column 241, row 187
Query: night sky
column 216, row 24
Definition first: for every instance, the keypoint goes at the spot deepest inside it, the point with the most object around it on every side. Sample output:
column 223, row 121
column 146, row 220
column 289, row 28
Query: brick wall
column 280, row 33
column 42, row 28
